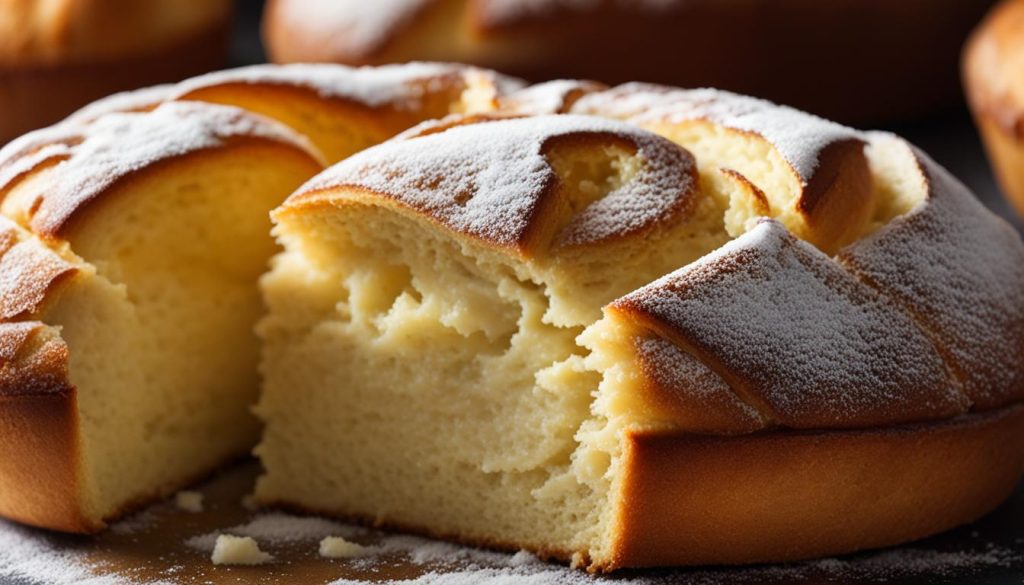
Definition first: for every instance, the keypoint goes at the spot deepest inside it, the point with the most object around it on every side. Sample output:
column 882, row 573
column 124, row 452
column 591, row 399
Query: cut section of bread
column 569, row 334
column 131, row 352
column 130, row 284
column 993, row 72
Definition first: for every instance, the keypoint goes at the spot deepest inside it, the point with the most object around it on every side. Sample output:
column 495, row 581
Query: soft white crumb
column 189, row 501
column 336, row 547
column 238, row 550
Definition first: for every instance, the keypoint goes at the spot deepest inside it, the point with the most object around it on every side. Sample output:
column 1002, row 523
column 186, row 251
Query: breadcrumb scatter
column 336, row 547
column 238, row 550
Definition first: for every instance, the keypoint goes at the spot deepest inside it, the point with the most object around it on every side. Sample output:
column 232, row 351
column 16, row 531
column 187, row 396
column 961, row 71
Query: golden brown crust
column 40, row 452
column 691, row 499
column 993, row 71
column 36, row 94
column 770, row 497
column 838, row 199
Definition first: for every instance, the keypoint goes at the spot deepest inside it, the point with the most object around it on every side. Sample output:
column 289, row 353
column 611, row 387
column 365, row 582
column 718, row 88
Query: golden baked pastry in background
column 620, row 327
column 856, row 61
column 57, row 55
column 993, row 70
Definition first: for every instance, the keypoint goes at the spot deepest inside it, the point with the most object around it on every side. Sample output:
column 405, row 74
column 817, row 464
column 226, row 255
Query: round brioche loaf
column 623, row 327
column 59, row 55
column 993, row 71
column 810, row 54
column 798, row 384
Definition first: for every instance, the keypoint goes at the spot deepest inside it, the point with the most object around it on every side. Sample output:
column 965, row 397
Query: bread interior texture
column 426, row 380
column 159, row 320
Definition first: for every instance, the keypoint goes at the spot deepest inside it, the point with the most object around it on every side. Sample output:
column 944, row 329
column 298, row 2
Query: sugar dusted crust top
column 799, row 339
column 493, row 181
column 400, row 87
column 85, row 159
column 799, row 137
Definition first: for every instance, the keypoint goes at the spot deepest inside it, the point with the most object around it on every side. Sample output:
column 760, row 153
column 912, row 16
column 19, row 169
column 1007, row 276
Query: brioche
column 993, row 72
column 458, row 342
column 619, row 327
column 58, row 55
column 134, row 237
column 847, row 47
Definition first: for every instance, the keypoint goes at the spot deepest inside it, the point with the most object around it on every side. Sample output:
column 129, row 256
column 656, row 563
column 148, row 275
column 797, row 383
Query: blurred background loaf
column 857, row 61
column 58, row 55
column 993, row 71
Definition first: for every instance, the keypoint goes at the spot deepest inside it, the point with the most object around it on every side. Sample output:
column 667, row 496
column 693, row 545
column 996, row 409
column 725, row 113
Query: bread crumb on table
column 336, row 547
column 238, row 550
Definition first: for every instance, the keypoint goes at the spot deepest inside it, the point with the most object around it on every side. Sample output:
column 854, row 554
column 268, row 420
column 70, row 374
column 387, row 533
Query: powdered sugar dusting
column 488, row 180
column 27, row 271
column 35, row 556
column 523, row 568
column 400, row 86
column 30, row 554
column 960, row 270
column 93, row 156
column 278, row 528
column 696, row 386
column 801, row 336
column 798, row 136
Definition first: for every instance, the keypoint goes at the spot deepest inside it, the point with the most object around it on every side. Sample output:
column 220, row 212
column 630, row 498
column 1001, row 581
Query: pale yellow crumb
column 238, row 550
column 336, row 547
